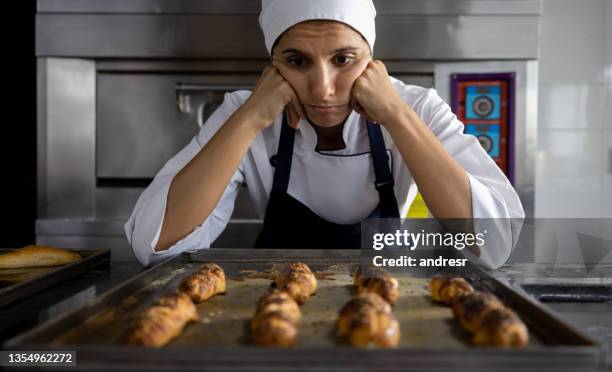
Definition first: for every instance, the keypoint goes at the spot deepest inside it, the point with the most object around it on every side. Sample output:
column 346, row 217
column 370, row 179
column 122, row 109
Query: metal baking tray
column 16, row 284
column 431, row 338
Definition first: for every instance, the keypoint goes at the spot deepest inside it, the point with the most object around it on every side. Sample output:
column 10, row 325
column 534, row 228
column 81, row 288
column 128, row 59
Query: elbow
column 143, row 254
column 139, row 243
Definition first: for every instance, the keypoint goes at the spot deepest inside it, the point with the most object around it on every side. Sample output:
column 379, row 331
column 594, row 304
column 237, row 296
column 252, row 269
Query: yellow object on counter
column 418, row 209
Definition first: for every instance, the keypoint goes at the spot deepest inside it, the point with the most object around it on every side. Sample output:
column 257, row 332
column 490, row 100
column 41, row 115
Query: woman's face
column 321, row 60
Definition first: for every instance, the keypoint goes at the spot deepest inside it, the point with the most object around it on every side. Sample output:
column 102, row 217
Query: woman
column 325, row 140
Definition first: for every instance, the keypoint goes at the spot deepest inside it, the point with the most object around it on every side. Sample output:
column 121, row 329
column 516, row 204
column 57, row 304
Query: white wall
column 573, row 168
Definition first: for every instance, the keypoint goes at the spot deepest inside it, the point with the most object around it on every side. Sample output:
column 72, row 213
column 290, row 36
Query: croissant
column 276, row 320
column 366, row 319
column 162, row 322
column 207, row 281
column 376, row 280
column 298, row 281
column 448, row 290
column 470, row 310
column 502, row 328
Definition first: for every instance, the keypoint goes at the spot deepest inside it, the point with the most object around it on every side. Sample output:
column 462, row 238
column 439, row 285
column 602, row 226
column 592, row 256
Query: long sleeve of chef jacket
column 336, row 185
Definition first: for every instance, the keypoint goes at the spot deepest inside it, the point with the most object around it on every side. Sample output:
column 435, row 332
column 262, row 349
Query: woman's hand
column 273, row 94
column 373, row 95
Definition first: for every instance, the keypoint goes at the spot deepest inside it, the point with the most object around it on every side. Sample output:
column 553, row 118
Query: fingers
column 290, row 116
column 356, row 106
column 359, row 109
column 296, row 107
column 279, row 89
column 293, row 118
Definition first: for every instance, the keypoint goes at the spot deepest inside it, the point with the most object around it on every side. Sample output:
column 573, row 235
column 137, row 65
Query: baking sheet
column 224, row 318
column 431, row 338
column 16, row 284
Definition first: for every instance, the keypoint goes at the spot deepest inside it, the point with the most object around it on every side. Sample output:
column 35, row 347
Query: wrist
column 397, row 111
column 250, row 120
column 401, row 117
column 245, row 123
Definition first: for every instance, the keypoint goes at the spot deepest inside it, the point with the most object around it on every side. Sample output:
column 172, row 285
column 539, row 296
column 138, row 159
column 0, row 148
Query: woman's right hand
column 273, row 94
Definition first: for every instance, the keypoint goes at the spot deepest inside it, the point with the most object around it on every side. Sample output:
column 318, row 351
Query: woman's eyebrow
column 339, row 50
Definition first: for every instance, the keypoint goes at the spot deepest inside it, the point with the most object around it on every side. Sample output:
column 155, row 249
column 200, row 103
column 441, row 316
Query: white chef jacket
column 336, row 185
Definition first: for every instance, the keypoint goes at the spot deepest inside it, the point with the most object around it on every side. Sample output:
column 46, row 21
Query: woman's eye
column 297, row 62
column 342, row 60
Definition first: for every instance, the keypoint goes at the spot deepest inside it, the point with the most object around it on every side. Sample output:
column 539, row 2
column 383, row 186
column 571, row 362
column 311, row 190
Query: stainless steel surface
column 572, row 351
column 137, row 118
column 438, row 30
column 518, row 7
column 593, row 318
column 108, row 232
column 60, row 299
column 113, row 202
column 66, row 123
column 210, row 97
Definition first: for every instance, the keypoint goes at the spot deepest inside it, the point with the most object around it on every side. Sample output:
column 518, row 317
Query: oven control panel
column 484, row 103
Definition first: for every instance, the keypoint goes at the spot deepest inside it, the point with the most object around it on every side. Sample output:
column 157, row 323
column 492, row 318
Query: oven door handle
column 184, row 91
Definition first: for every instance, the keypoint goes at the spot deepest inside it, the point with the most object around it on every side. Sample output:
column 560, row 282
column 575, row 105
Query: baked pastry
column 37, row 256
column 448, row 290
column 376, row 280
column 276, row 320
column 366, row 319
column 298, row 281
column 470, row 310
column 501, row 328
column 162, row 322
column 207, row 281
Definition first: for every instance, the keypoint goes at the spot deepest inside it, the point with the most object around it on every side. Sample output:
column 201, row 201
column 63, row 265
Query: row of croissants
column 366, row 319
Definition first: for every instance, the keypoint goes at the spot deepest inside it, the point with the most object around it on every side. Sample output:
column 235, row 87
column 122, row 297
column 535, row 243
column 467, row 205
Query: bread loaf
column 37, row 256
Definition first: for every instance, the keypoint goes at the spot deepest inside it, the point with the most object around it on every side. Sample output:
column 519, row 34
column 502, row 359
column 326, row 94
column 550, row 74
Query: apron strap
column 282, row 171
column 384, row 179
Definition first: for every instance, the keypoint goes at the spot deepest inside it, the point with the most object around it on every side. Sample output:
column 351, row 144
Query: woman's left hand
column 373, row 95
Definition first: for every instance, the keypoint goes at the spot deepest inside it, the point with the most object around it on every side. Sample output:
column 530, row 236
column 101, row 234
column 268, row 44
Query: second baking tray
column 223, row 324
column 16, row 284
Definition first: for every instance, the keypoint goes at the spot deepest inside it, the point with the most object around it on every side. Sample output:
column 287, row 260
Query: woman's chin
column 327, row 120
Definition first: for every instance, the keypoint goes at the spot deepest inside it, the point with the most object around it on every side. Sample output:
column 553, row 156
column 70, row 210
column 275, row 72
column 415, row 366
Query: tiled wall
column 574, row 170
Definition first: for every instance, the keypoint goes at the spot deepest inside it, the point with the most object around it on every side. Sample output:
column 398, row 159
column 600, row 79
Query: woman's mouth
column 325, row 109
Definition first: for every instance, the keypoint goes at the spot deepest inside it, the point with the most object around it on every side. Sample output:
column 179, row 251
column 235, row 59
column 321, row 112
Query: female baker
column 325, row 140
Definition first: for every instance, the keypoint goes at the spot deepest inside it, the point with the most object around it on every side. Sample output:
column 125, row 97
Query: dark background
column 18, row 148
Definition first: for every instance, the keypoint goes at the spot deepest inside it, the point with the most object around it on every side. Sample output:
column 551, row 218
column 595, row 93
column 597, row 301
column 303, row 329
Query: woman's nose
column 322, row 83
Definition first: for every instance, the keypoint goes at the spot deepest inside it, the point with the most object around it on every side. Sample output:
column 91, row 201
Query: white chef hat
column 277, row 16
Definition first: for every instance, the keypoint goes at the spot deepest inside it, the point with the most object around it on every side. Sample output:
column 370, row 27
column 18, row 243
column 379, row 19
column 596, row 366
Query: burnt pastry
column 373, row 279
column 470, row 310
column 448, row 290
column 501, row 328
column 276, row 320
column 367, row 319
column 298, row 281
column 207, row 281
column 162, row 322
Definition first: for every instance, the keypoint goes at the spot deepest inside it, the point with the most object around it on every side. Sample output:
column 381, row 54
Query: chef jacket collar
column 350, row 132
